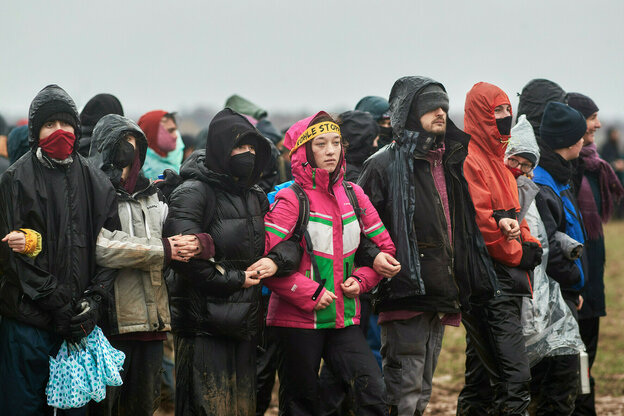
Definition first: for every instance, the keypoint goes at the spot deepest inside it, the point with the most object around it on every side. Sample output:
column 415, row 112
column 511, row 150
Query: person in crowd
column 611, row 153
column 189, row 141
column 379, row 108
column 96, row 108
column 315, row 311
column 214, row 297
column 165, row 146
column 51, row 290
column 18, row 145
column 4, row 153
column 549, row 327
column 258, row 117
column 359, row 131
column 417, row 186
column 534, row 97
column 138, row 310
column 599, row 192
column 493, row 327
column 561, row 139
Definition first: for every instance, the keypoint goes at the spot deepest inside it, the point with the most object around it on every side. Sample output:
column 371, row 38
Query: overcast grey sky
column 304, row 55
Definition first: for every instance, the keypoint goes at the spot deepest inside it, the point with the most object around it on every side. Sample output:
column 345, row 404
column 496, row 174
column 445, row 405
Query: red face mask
column 59, row 144
column 515, row 171
column 165, row 140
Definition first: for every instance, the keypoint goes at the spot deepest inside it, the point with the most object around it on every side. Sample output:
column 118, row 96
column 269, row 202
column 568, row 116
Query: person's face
column 126, row 171
column 384, row 122
column 242, row 149
column 326, row 149
column 434, row 121
column 502, row 111
column 50, row 127
column 522, row 163
column 170, row 126
column 593, row 124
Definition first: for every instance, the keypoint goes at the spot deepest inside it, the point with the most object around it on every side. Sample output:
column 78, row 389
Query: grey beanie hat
column 430, row 98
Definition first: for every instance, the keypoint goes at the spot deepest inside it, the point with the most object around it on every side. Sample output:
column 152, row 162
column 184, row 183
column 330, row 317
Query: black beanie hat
column 54, row 110
column 430, row 98
column 562, row 126
column 582, row 103
column 98, row 107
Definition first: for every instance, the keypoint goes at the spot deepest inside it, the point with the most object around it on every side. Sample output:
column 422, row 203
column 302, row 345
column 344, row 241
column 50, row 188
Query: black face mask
column 385, row 135
column 124, row 154
column 504, row 125
column 242, row 165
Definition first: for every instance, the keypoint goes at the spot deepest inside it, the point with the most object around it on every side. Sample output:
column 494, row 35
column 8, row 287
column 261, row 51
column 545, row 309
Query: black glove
column 85, row 317
column 61, row 319
column 531, row 255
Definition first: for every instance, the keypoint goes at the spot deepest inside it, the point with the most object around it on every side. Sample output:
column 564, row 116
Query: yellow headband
column 313, row 131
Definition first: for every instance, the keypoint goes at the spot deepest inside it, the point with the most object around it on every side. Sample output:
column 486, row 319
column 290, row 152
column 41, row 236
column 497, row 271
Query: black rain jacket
column 67, row 205
column 359, row 130
column 435, row 275
column 207, row 297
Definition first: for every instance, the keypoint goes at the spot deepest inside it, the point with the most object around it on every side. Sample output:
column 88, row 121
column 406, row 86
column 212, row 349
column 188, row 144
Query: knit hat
column 582, row 103
column 562, row 126
column 430, row 98
column 98, row 107
column 522, row 141
column 55, row 110
column 149, row 123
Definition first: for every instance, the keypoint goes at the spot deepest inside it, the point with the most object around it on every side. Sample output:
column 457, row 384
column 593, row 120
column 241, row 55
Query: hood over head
column 534, row 97
column 479, row 119
column 150, row 124
column 269, row 131
column 359, row 129
column 107, row 134
column 97, row 107
column 52, row 100
column 246, row 107
column 403, row 93
column 378, row 107
column 17, row 144
column 522, row 141
column 228, row 129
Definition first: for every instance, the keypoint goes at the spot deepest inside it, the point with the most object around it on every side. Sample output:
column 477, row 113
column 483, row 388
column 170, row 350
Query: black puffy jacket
column 434, row 276
column 207, row 297
column 68, row 205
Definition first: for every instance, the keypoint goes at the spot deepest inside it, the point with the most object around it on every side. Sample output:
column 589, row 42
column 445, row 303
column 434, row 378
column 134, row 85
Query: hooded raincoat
column 534, row 97
column 68, row 205
column 435, row 274
column 359, row 129
column 492, row 186
column 335, row 233
column 139, row 302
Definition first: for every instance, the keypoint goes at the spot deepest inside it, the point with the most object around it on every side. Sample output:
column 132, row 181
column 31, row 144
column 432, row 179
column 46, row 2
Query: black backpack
column 301, row 228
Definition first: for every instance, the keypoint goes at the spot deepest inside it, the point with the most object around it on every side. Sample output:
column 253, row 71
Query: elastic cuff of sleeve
column 167, row 250
column 34, row 243
column 207, row 244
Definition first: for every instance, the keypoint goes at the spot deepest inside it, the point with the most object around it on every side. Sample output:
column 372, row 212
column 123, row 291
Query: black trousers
column 215, row 376
column 497, row 368
column 589, row 328
column 555, row 385
column 347, row 354
column 266, row 364
column 139, row 395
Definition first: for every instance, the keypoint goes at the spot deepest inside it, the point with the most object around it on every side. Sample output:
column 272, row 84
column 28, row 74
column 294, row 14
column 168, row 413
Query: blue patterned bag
column 80, row 372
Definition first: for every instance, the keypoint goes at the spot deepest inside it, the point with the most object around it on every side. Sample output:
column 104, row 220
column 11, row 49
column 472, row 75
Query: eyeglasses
column 524, row 167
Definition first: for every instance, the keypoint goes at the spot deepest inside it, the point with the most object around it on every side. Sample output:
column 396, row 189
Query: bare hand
column 326, row 299
column 510, row 228
column 16, row 241
column 265, row 267
column 386, row 265
column 183, row 247
column 350, row 288
column 580, row 305
column 250, row 280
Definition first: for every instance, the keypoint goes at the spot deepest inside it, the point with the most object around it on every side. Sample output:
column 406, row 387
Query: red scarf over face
column 58, row 145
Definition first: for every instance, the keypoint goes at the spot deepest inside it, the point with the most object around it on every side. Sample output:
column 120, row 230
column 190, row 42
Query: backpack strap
column 348, row 186
column 301, row 233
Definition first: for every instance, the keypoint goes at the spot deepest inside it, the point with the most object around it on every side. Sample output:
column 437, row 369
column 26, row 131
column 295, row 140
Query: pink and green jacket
column 335, row 233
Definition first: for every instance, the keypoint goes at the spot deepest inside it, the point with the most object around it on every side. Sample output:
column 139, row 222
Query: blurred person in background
column 96, row 108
